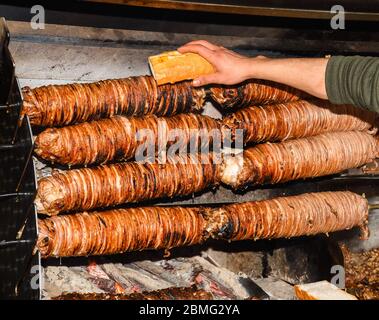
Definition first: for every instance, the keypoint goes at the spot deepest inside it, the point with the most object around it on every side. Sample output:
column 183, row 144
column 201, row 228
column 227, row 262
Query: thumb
column 207, row 79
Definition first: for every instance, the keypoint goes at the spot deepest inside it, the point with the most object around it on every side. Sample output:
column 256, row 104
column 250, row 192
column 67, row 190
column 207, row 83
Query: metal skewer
column 7, row 106
column 13, row 242
column 16, row 194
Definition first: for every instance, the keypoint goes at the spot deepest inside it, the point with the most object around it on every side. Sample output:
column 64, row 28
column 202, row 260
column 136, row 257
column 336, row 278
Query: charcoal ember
column 362, row 273
column 174, row 293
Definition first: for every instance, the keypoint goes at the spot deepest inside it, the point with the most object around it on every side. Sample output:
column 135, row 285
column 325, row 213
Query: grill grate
column 19, row 264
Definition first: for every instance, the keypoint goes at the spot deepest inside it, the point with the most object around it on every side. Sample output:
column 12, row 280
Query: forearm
column 232, row 68
column 342, row 80
column 307, row 74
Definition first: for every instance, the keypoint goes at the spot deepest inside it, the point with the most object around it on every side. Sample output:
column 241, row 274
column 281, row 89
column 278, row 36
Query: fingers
column 223, row 60
column 208, row 79
column 204, row 43
column 206, row 53
column 189, row 47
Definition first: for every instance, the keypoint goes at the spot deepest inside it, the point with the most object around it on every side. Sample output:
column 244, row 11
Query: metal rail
column 254, row 8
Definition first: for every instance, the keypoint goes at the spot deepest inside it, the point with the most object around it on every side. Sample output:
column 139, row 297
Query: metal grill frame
column 20, row 265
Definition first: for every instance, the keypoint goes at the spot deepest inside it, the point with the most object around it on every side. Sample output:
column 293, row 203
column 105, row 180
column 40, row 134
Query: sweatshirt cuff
column 332, row 80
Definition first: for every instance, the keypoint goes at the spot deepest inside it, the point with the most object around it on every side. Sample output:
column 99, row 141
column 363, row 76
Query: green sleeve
column 353, row 80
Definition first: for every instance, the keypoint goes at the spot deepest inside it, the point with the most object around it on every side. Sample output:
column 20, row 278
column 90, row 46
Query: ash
column 145, row 271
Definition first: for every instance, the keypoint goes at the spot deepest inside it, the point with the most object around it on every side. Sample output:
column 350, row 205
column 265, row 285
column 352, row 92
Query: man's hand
column 307, row 74
column 231, row 67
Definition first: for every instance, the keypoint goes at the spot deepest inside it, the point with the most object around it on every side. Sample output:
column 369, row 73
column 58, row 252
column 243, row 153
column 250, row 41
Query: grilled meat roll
column 254, row 92
column 109, row 185
column 293, row 216
column 58, row 105
column 298, row 119
column 119, row 230
column 316, row 156
column 119, row 138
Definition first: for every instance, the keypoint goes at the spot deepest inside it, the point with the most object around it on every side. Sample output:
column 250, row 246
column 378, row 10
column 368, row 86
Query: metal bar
column 10, row 146
column 26, row 217
column 16, row 194
column 11, row 105
column 358, row 176
column 13, row 242
column 28, row 159
column 31, row 137
column 19, row 124
column 25, row 272
column 18, row 104
column 269, row 11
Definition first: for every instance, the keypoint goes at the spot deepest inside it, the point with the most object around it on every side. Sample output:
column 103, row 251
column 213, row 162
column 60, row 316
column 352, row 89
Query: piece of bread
column 322, row 290
column 172, row 66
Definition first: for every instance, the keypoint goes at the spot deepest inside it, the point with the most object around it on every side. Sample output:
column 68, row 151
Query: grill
column 63, row 54
column 18, row 232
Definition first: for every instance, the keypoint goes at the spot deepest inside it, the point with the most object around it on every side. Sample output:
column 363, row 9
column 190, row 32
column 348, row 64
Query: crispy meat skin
column 109, row 185
column 58, row 105
column 120, row 230
column 254, row 92
column 116, row 138
column 174, row 293
column 293, row 216
column 298, row 119
column 316, row 156
column 132, row 229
